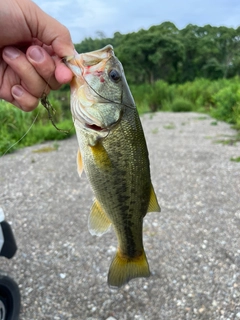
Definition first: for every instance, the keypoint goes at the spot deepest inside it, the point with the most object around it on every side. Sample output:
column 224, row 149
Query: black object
column 10, row 299
column 9, row 247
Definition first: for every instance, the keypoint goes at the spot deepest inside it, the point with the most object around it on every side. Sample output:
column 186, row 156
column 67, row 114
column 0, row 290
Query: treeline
column 173, row 55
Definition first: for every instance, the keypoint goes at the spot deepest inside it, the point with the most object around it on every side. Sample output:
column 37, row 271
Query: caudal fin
column 123, row 269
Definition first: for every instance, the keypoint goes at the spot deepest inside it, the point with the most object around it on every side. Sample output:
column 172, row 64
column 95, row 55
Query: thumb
column 47, row 29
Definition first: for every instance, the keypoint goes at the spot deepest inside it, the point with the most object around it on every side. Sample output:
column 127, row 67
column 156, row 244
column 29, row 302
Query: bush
column 181, row 105
column 220, row 98
column 225, row 100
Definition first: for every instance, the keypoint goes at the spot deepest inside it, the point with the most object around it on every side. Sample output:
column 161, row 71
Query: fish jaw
column 88, row 63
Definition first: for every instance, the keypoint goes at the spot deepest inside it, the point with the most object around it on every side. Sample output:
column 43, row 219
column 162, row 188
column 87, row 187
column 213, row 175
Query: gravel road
column 193, row 245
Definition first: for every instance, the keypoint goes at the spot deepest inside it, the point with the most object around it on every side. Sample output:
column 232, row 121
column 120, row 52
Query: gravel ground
column 193, row 245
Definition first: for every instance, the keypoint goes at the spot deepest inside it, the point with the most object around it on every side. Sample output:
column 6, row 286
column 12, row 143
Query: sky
column 86, row 18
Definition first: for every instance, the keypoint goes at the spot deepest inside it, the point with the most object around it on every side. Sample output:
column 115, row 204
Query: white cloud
column 84, row 17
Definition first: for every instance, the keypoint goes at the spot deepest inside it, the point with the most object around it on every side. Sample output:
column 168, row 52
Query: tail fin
column 123, row 269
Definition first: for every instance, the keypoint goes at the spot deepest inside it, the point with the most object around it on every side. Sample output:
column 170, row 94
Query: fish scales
column 112, row 187
column 114, row 155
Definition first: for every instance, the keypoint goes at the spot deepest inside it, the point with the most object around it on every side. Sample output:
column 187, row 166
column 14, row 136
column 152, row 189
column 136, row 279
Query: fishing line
column 47, row 105
column 22, row 136
column 108, row 100
column 51, row 111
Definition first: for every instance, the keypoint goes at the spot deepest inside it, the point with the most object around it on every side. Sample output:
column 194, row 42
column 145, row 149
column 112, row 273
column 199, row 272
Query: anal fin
column 153, row 203
column 98, row 222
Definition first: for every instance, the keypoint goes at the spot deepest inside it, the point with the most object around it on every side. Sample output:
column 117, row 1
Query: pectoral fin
column 101, row 157
column 153, row 203
column 79, row 163
column 98, row 222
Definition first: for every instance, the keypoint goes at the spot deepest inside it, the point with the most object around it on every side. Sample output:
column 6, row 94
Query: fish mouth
column 94, row 127
column 84, row 122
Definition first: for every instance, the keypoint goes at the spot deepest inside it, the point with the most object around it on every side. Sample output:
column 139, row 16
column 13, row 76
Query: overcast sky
column 86, row 17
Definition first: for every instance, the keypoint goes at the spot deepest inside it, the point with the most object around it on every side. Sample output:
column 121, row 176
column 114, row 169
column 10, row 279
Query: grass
column 169, row 126
column 155, row 130
column 214, row 123
column 54, row 147
column 232, row 140
column 20, row 129
column 237, row 159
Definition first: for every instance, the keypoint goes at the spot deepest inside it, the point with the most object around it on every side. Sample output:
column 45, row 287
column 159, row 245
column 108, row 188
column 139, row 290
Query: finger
column 23, row 99
column 62, row 73
column 43, row 64
column 30, row 79
column 55, row 34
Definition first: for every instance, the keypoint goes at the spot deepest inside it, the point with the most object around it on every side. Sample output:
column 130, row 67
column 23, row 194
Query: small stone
column 214, row 303
column 201, row 310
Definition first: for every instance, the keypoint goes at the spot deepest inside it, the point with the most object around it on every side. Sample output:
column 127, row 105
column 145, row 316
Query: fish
column 114, row 155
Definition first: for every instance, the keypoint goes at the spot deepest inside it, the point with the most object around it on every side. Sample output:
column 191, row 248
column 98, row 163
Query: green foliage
column 220, row 98
column 176, row 56
column 236, row 114
column 224, row 101
column 15, row 125
column 182, row 105
column 237, row 159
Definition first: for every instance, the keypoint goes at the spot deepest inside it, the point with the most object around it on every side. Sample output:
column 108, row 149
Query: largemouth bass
column 114, row 155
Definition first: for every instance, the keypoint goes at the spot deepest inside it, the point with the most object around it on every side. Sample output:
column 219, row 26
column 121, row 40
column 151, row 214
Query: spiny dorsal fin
column 153, row 203
column 98, row 222
column 79, row 163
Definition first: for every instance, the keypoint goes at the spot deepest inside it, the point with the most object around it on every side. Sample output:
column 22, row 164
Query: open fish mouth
column 94, row 127
column 87, row 123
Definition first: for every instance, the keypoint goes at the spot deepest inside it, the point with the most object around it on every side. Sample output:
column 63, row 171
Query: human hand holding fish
column 31, row 47
column 114, row 155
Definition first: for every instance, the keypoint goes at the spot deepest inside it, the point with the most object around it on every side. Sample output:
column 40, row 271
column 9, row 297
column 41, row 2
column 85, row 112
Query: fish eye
column 114, row 75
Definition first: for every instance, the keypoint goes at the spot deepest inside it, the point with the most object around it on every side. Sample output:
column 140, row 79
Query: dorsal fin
column 98, row 222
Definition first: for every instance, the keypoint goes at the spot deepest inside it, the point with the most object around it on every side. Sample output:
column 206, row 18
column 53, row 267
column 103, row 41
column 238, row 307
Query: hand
column 31, row 47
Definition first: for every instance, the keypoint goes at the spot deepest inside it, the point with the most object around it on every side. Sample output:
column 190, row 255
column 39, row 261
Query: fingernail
column 11, row 52
column 17, row 91
column 36, row 54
